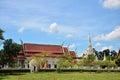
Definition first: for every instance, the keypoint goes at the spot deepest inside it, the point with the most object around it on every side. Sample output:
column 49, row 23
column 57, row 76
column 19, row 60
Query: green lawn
column 63, row 76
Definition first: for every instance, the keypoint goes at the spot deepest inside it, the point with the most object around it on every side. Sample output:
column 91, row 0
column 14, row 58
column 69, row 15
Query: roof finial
column 23, row 48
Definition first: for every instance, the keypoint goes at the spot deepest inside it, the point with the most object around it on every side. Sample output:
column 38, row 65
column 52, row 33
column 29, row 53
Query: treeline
column 8, row 55
column 110, row 55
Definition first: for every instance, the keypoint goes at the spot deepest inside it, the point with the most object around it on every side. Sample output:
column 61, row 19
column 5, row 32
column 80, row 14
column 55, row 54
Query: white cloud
column 69, row 36
column 69, row 31
column 109, row 47
column 114, row 35
column 21, row 29
column 97, row 44
column 34, row 24
column 72, row 46
column 111, row 3
column 53, row 28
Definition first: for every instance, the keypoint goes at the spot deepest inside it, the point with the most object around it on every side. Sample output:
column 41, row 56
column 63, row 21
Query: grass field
column 63, row 76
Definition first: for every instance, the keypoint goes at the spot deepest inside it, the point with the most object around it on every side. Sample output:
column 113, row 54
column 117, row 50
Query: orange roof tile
column 42, row 48
column 54, row 50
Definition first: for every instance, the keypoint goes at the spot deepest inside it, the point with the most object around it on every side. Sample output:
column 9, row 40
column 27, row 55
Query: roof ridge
column 43, row 44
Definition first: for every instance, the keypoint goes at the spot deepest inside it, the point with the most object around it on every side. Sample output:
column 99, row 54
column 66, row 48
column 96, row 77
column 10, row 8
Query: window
column 49, row 65
column 55, row 65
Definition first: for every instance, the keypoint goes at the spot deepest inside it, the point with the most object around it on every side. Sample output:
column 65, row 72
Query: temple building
column 53, row 53
column 90, row 49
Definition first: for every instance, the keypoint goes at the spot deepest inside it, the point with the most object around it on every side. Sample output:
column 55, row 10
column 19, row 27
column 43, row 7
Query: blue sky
column 58, row 21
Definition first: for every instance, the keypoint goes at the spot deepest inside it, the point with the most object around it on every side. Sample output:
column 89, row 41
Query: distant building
column 90, row 49
column 55, row 51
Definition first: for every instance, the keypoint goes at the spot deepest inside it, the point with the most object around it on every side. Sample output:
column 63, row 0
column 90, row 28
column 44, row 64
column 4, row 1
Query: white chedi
column 89, row 49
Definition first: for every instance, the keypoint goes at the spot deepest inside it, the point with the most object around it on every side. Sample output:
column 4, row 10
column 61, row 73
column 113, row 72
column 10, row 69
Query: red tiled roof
column 72, row 53
column 42, row 48
column 55, row 55
column 36, row 49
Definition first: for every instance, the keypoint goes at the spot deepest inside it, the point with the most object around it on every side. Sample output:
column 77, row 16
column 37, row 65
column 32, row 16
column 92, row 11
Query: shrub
column 118, row 61
column 13, row 71
column 58, row 70
column 104, row 64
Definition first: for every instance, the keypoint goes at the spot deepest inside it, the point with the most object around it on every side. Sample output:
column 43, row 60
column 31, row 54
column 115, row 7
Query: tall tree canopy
column 113, row 54
column 106, row 52
column 1, row 34
column 109, row 54
column 117, row 61
column 10, row 50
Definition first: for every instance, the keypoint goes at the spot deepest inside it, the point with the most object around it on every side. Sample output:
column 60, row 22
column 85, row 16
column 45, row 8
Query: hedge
column 13, row 71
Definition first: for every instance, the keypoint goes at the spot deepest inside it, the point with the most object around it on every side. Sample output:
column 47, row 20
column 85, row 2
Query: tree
column 66, row 64
column 1, row 34
column 89, row 60
column 11, row 50
column 113, row 54
column 80, row 63
column 1, row 57
column 100, row 55
column 96, row 53
column 43, row 58
column 34, row 61
column 105, row 63
column 66, row 61
column 68, row 57
column 28, row 59
column 110, row 55
column 60, row 62
column 106, row 52
column 117, row 61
